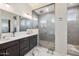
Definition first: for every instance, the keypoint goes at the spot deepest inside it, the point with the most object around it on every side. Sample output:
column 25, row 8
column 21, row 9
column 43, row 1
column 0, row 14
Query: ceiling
column 37, row 5
column 73, row 4
column 46, row 9
column 25, row 9
column 51, row 8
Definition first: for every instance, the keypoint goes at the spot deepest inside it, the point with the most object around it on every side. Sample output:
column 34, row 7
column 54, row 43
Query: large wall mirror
column 8, row 22
column 5, row 25
column 26, row 23
column 5, row 21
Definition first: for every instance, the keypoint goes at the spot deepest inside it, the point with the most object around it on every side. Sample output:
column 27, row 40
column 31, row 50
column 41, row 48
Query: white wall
column 60, row 29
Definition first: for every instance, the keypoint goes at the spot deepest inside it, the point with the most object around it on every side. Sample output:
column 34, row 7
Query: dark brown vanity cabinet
column 18, row 47
column 12, row 51
column 24, row 46
column 2, row 52
column 9, row 49
column 33, row 41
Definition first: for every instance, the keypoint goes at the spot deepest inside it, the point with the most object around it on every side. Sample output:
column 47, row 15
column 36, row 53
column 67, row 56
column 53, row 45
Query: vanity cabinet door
column 24, row 43
column 2, row 53
column 24, row 46
column 33, row 41
column 12, row 51
column 10, row 48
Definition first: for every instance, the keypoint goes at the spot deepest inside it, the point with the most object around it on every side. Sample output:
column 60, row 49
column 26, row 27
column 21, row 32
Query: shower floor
column 73, row 50
column 40, row 51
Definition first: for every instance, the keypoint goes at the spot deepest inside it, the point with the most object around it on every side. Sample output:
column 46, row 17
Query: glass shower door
column 46, row 28
column 46, row 31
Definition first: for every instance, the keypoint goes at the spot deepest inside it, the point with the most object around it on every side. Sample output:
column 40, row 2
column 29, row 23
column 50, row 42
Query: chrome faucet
column 13, row 34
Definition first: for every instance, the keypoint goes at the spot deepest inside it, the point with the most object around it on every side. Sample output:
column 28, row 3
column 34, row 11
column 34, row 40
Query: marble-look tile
column 40, row 51
column 73, row 50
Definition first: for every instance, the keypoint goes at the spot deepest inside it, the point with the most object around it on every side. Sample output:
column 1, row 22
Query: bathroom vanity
column 18, row 36
column 17, row 46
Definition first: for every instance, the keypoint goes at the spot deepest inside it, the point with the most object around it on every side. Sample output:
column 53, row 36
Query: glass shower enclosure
column 73, row 29
column 45, row 16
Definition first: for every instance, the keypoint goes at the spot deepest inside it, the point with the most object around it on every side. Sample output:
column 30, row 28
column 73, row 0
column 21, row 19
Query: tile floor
column 40, row 51
column 73, row 50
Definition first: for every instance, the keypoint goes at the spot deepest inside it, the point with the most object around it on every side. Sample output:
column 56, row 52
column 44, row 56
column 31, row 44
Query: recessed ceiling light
column 7, row 5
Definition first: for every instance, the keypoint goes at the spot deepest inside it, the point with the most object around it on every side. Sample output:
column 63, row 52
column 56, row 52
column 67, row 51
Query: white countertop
column 15, row 38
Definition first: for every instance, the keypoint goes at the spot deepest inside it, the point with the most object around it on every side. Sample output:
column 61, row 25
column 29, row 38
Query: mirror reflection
column 9, row 22
column 26, row 23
